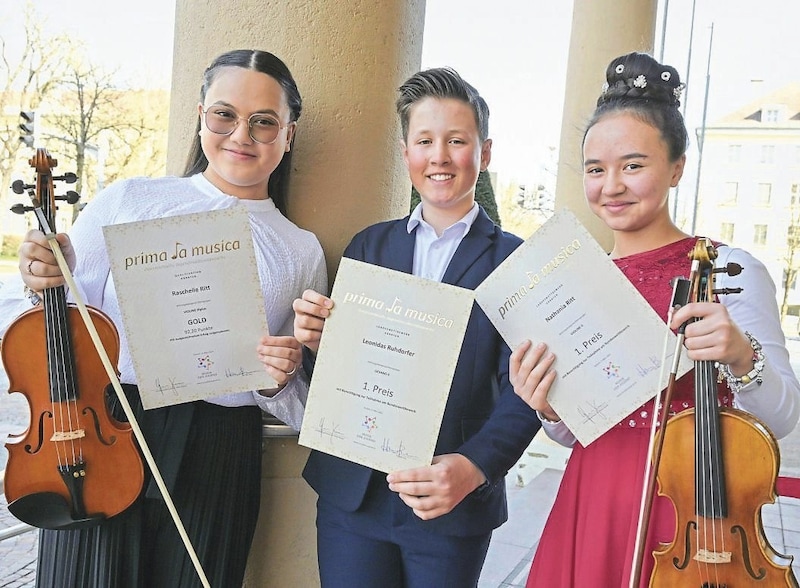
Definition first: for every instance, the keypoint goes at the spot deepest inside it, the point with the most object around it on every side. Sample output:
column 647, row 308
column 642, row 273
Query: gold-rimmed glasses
column 262, row 128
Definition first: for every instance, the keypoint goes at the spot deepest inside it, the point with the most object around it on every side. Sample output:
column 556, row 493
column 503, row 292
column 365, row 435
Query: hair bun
column 637, row 76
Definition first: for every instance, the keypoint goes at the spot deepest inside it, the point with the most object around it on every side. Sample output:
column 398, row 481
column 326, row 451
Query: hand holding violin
column 714, row 338
column 37, row 263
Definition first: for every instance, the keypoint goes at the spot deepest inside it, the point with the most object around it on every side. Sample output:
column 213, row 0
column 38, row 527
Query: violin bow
column 680, row 296
column 123, row 400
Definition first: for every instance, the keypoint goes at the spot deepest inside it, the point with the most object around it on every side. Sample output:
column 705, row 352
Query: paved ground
column 532, row 487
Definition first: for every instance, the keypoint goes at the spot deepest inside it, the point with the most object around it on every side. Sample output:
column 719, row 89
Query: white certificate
column 561, row 288
column 384, row 367
column 191, row 304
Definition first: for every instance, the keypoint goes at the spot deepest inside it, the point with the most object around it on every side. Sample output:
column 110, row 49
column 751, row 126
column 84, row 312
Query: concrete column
column 348, row 58
column 601, row 30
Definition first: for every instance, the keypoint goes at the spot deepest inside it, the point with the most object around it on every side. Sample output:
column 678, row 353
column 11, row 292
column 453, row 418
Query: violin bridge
column 68, row 435
column 712, row 557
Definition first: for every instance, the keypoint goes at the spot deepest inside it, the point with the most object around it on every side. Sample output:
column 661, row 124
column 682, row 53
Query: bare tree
column 27, row 77
column 792, row 257
column 92, row 115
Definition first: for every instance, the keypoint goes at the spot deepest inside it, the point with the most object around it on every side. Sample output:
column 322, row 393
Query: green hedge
column 10, row 246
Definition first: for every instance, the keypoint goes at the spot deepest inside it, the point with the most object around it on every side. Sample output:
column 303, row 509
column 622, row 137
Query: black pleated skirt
column 216, row 493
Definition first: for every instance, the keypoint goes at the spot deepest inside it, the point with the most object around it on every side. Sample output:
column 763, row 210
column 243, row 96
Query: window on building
column 764, row 194
column 726, row 233
column 734, row 153
column 731, row 195
column 793, row 236
column 760, row 235
column 794, row 190
column 768, row 154
column 793, row 285
column 770, row 115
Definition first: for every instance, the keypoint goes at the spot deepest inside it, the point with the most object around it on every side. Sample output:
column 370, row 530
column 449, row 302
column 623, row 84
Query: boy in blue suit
column 429, row 526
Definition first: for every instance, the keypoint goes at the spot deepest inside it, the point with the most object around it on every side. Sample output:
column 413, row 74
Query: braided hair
column 639, row 85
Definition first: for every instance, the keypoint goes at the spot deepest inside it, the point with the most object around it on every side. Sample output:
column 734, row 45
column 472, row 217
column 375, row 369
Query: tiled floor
column 531, row 492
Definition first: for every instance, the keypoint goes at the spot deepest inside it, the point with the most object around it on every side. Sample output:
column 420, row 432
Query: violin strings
column 64, row 399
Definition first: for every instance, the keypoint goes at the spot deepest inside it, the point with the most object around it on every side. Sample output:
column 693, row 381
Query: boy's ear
column 404, row 150
column 486, row 154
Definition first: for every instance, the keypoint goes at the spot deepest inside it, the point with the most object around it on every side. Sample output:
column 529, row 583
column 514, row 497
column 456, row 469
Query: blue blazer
column 483, row 419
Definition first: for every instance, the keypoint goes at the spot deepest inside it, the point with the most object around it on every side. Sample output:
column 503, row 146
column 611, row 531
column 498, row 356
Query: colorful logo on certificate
column 370, row 423
column 611, row 370
column 204, row 361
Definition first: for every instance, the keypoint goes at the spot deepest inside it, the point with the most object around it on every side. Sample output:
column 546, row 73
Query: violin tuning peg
column 732, row 269
column 71, row 197
column 727, row 291
column 68, row 177
column 21, row 209
column 19, row 187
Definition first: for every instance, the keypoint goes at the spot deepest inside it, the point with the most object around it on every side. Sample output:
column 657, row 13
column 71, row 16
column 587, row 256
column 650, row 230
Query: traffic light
column 26, row 127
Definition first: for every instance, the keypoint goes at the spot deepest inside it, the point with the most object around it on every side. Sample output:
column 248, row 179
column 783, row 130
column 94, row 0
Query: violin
column 75, row 465
column 718, row 466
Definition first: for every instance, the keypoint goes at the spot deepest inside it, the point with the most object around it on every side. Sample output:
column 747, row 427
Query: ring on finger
column 293, row 372
column 30, row 263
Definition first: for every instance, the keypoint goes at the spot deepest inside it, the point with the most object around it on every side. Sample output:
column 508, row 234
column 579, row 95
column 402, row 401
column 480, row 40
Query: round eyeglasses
column 262, row 128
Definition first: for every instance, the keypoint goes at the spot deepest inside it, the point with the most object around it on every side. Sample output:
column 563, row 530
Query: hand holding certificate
column 384, row 367
column 561, row 288
column 188, row 337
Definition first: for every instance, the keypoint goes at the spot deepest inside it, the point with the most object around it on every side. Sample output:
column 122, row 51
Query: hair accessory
column 665, row 75
column 640, row 81
column 736, row 383
column 677, row 91
column 620, row 68
column 605, row 88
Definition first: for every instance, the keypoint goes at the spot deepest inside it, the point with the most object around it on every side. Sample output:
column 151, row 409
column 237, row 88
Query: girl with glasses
column 209, row 450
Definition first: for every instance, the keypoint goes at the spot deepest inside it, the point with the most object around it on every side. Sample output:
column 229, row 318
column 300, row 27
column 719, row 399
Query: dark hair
column 442, row 82
column 638, row 84
column 269, row 64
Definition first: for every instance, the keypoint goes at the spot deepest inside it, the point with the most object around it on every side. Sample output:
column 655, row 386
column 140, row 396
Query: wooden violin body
column 718, row 467
column 75, row 465
column 731, row 551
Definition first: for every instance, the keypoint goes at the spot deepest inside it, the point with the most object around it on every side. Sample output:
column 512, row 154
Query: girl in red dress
column 634, row 152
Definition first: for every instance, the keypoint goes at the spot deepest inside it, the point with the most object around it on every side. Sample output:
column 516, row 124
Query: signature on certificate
column 330, row 431
column 171, row 386
column 399, row 451
column 593, row 411
column 229, row 373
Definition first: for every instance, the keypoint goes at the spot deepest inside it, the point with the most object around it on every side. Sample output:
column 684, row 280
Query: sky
column 515, row 54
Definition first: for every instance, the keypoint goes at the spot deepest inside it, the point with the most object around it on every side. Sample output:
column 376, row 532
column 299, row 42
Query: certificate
column 191, row 304
column 384, row 367
column 561, row 288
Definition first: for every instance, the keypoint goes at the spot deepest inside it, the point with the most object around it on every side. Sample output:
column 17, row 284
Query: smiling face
column 444, row 154
column 237, row 165
column 627, row 176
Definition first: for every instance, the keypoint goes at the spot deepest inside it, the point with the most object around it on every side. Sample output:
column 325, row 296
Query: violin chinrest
column 49, row 510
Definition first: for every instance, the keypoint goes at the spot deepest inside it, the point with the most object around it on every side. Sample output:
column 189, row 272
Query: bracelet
column 33, row 296
column 736, row 383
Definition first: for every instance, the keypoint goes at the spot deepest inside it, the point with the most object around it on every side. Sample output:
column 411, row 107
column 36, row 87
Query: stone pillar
column 601, row 30
column 348, row 58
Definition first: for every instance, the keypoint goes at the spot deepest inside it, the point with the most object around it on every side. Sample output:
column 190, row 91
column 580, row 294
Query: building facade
column 749, row 189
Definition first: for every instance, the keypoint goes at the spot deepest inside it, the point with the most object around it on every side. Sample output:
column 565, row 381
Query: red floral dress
column 590, row 534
